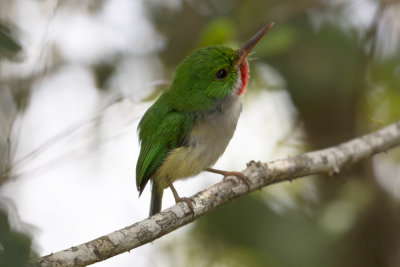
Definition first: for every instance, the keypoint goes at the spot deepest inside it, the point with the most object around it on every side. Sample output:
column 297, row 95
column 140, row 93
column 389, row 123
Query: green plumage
column 161, row 130
column 190, row 125
column 193, row 92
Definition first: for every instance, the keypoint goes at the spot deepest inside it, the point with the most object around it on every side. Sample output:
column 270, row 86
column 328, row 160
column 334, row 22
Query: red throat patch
column 244, row 73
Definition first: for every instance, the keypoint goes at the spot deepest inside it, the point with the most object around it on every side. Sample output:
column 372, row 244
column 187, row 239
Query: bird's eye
column 221, row 74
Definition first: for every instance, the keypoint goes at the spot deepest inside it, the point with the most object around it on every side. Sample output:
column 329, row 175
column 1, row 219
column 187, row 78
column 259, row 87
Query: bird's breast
column 211, row 133
column 207, row 141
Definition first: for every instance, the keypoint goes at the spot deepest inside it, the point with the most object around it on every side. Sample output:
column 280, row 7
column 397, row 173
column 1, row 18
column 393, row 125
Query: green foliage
column 219, row 31
column 103, row 72
column 9, row 44
column 15, row 247
column 280, row 40
column 382, row 106
column 381, row 103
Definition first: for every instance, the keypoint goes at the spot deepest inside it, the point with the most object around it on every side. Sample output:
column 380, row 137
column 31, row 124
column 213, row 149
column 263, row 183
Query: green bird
column 190, row 125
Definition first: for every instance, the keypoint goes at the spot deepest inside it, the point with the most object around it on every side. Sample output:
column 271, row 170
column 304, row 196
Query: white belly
column 208, row 140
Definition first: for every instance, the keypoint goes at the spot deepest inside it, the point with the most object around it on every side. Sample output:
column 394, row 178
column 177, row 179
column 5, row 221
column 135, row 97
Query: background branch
column 328, row 161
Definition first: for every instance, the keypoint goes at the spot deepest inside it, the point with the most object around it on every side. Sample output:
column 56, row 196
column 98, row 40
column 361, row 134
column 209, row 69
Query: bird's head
column 210, row 74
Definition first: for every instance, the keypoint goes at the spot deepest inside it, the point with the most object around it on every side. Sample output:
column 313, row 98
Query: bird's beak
column 244, row 51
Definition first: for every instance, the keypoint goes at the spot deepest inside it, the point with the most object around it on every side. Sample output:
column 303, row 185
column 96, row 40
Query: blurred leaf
column 387, row 73
column 382, row 100
column 15, row 247
column 280, row 39
column 9, row 44
column 218, row 32
column 103, row 72
column 384, row 105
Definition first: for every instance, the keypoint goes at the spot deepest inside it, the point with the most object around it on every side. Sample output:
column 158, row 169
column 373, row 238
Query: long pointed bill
column 246, row 49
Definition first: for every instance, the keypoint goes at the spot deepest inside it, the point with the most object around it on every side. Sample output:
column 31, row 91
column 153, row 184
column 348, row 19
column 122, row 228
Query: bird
column 187, row 129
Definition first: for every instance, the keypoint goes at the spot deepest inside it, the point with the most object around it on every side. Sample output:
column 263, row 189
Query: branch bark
column 328, row 161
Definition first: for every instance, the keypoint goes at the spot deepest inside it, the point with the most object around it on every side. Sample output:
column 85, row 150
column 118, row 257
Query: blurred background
column 76, row 77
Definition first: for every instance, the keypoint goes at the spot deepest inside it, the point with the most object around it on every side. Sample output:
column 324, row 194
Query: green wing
column 160, row 131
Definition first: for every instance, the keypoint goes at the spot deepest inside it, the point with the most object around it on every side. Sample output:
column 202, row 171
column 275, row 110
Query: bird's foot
column 239, row 175
column 186, row 200
column 178, row 199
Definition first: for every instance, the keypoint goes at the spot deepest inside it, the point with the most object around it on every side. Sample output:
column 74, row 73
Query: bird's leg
column 239, row 175
column 178, row 199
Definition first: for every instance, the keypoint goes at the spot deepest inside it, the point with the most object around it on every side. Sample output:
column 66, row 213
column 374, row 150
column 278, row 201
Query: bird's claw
column 188, row 202
column 240, row 176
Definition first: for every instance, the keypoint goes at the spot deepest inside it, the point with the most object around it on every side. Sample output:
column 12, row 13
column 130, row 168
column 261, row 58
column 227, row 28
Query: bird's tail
column 156, row 199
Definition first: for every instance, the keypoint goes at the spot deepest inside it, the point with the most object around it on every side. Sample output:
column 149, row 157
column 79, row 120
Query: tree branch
column 328, row 161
